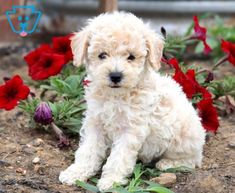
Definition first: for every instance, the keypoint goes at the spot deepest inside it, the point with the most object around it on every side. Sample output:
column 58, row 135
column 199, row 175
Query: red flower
column 200, row 34
column 49, row 64
column 187, row 81
column 61, row 45
column 207, row 48
column 33, row 57
column 11, row 92
column 205, row 93
column 173, row 62
column 208, row 114
column 229, row 48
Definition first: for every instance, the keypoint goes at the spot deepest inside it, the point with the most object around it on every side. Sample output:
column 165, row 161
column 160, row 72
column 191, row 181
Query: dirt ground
column 22, row 172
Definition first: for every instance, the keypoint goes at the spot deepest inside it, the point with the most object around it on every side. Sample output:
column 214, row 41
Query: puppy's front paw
column 107, row 183
column 71, row 174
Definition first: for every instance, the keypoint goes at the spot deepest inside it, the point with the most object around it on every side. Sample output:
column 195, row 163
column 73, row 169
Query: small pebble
column 231, row 144
column 38, row 169
column 21, row 171
column 28, row 149
column 36, row 160
column 214, row 166
column 165, row 179
column 37, row 142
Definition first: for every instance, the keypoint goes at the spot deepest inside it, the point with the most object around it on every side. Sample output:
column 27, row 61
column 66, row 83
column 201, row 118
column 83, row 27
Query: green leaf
column 199, row 48
column 153, row 172
column 159, row 190
column 87, row 186
column 118, row 189
column 223, row 87
column 74, row 81
column 151, row 184
column 60, row 84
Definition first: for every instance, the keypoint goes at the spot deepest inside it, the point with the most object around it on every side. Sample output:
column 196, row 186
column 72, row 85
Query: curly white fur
column 148, row 116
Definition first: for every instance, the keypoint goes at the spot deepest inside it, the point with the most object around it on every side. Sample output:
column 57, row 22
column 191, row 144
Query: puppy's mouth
column 115, row 86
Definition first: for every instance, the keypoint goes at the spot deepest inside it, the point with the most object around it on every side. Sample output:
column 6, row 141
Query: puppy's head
column 116, row 49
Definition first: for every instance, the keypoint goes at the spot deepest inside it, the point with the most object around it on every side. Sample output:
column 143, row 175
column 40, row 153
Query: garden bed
column 30, row 160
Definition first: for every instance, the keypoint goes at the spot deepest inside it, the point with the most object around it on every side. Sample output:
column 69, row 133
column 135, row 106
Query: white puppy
column 131, row 109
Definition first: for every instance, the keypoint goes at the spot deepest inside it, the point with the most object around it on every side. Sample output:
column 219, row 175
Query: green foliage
column 138, row 182
column 68, row 84
column 174, row 45
column 67, row 114
column 223, row 87
column 68, row 105
column 29, row 105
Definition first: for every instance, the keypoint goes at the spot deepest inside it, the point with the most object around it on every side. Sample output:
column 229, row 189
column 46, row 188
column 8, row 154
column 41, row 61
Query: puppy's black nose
column 115, row 77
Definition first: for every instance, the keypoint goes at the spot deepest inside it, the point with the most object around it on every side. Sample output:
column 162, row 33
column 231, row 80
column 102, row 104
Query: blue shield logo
column 27, row 22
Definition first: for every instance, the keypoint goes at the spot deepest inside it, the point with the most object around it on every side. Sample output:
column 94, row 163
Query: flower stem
column 190, row 37
column 63, row 141
column 57, row 130
column 221, row 61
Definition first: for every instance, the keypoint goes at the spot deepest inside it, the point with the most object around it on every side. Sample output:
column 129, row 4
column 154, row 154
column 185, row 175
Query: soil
column 20, row 145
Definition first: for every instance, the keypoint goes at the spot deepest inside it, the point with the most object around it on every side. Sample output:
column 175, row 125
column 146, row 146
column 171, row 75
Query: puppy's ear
column 155, row 45
column 79, row 45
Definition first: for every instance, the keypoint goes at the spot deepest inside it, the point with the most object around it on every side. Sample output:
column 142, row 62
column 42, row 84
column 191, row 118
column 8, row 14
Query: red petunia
column 11, row 92
column 208, row 114
column 187, row 81
column 49, row 64
column 229, row 48
column 173, row 62
column 61, row 45
column 200, row 34
column 32, row 57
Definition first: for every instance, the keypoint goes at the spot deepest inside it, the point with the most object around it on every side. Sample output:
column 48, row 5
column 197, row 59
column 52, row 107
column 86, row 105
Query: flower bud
column 210, row 77
column 43, row 114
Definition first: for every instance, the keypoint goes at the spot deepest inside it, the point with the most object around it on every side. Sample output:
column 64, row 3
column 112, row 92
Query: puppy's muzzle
column 115, row 77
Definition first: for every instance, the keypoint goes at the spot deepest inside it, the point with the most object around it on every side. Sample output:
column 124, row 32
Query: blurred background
column 65, row 16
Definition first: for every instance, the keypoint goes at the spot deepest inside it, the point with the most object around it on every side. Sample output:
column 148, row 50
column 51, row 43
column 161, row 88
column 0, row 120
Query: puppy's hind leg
column 186, row 154
column 166, row 163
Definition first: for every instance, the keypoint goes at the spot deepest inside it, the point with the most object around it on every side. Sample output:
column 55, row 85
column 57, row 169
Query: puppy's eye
column 131, row 57
column 103, row 55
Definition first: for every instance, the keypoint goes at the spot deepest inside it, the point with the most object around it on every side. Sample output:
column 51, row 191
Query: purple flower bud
column 209, row 78
column 43, row 114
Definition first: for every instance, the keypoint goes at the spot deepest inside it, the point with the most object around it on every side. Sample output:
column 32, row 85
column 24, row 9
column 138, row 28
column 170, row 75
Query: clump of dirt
column 30, row 161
